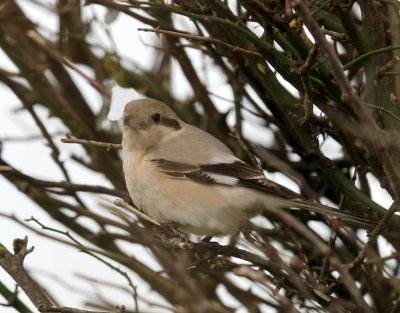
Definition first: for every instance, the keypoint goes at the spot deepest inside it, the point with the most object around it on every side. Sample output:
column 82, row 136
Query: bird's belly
column 199, row 208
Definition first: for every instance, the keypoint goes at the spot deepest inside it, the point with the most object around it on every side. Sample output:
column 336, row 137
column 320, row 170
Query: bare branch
column 204, row 39
column 13, row 265
column 121, row 203
column 109, row 146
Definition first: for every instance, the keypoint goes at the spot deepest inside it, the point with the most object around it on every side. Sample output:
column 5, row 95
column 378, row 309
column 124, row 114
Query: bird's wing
column 242, row 174
column 237, row 173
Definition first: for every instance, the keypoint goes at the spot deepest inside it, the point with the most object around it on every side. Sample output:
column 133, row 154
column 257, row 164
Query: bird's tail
column 326, row 210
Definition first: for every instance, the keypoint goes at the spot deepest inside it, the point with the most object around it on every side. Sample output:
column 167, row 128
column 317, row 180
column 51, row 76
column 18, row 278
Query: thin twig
column 335, row 35
column 71, row 139
column 55, row 154
column 66, row 185
column 368, row 54
column 121, row 203
column 87, row 251
column 204, row 39
column 374, row 234
column 246, row 149
column 55, row 54
column 55, row 309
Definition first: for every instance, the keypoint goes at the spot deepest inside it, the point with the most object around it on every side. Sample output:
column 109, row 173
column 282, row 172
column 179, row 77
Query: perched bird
column 178, row 173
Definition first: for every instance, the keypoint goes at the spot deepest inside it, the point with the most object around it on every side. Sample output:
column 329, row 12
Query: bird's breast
column 206, row 209
column 135, row 175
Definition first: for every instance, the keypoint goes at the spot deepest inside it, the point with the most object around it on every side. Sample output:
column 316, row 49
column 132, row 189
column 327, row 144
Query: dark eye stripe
column 169, row 122
column 156, row 117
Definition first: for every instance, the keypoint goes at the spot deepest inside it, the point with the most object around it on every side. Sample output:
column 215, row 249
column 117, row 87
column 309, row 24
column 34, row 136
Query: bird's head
column 147, row 122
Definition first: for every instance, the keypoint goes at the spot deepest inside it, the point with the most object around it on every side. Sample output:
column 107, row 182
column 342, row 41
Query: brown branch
column 5, row 168
column 55, row 154
column 335, row 35
column 66, row 185
column 124, row 8
column 13, row 265
column 373, row 236
column 56, row 55
column 109, row 146
column 203, row 39
column 45, row 308
column 327, row 50
column 380, row 141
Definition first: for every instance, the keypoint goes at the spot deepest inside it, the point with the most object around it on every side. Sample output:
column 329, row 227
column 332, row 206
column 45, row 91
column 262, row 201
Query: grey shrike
column 178, row 173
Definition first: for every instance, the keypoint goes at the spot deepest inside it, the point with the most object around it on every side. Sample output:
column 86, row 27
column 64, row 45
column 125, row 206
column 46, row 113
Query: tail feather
column 326, row 210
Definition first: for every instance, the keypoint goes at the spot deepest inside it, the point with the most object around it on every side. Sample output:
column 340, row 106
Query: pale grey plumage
column 178, row 173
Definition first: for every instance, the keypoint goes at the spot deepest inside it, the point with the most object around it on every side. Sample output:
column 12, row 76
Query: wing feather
column 232, row 174
column 242, row 174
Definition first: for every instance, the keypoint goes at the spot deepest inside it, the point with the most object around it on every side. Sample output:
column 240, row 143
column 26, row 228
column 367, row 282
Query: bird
column 179, row 174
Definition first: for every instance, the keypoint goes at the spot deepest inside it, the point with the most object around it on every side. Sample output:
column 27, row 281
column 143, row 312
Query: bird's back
column 193, row 146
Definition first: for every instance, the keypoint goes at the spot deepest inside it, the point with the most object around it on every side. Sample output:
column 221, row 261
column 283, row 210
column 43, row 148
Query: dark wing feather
column 250, row 177
column 245, row 175
column 231, row 174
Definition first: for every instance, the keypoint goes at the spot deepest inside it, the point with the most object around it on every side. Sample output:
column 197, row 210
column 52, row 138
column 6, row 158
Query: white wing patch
column 223, row 179
column 229, row 174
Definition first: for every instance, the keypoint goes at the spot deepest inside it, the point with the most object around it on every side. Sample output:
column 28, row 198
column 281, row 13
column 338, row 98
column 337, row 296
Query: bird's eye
column 156, row 117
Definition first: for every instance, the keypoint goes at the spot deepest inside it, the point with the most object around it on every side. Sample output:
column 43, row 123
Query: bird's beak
column 133, row 122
